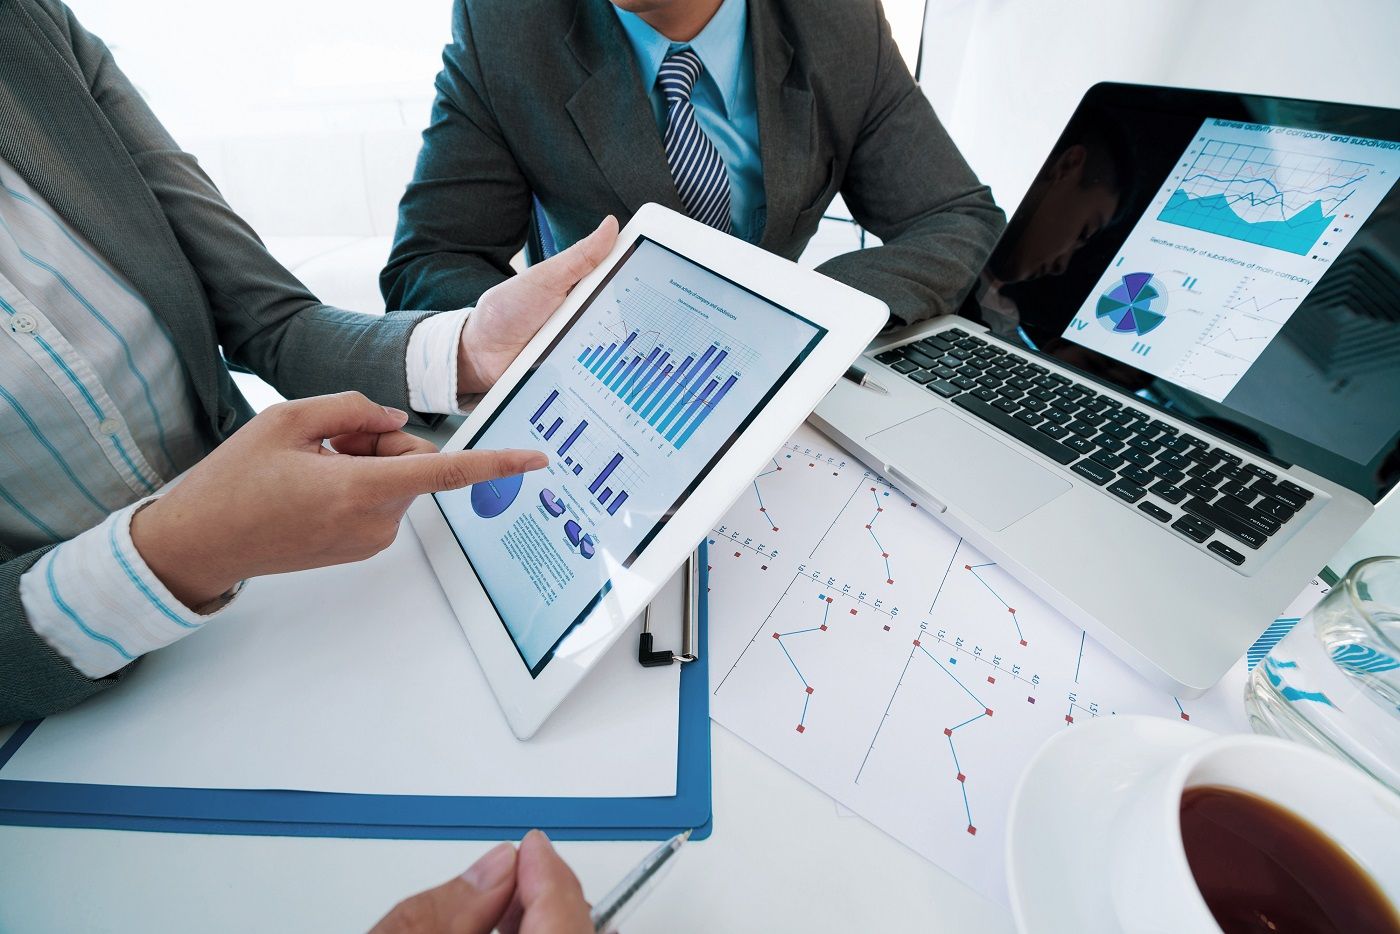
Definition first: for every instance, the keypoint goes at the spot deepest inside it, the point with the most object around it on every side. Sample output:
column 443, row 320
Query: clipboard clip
column 647, row 654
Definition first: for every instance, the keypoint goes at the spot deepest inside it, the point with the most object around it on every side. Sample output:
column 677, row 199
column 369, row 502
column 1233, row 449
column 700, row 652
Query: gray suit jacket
column 544, row 97
column 74, row 127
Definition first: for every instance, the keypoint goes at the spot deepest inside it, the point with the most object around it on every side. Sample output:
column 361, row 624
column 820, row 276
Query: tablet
column 658, row 390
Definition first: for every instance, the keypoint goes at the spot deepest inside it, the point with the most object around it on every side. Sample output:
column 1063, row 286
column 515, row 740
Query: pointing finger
column 413, row 474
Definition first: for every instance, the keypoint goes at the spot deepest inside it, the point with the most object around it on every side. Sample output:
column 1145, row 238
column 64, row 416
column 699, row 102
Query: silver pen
column 636, row 885
column 858, row 376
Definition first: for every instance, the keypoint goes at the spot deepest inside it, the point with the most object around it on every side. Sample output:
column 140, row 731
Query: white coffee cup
column 1152, row 886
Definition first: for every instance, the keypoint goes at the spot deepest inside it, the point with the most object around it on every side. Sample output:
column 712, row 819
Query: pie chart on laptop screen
column 493, row 497
column 1136, row 304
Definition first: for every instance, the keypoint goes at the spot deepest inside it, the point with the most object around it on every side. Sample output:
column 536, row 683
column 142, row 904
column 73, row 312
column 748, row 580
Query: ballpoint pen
column 858, row 376
column 636, row 885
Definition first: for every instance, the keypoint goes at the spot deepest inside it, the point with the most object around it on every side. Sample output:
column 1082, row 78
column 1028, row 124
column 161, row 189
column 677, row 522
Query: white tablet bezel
column 851, row 319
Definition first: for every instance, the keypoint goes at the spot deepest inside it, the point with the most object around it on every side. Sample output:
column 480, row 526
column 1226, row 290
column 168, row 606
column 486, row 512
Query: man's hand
column 273, row 498
column 509, row 314
column 533, row 892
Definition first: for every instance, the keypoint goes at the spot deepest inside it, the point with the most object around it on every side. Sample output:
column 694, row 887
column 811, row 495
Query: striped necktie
column 699, row 173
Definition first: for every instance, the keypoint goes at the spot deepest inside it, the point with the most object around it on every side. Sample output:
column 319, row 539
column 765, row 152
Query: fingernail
column 492, row 869
column 396, row 413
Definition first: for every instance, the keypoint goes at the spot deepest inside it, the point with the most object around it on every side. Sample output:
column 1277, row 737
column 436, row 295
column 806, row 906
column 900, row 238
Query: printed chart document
column 887, row 662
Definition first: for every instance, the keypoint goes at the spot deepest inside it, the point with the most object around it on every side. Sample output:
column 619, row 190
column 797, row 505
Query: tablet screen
column 636, row 400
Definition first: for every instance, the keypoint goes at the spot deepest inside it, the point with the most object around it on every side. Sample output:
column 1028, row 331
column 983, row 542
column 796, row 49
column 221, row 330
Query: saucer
column 1064, row 814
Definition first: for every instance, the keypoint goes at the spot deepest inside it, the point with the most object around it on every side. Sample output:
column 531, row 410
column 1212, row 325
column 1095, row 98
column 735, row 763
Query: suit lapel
column 58, row 139
column 785, row 122
column 613, row 113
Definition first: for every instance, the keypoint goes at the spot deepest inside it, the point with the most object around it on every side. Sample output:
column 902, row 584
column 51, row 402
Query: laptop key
column 1080, row 444
column 1231, row 525
column 1127, row 491
column 1058, row 416
column 944, row 388
column 1295, row 489
column 1035, row 405
column 1168, row 473
column 1109, row 444
column 1239, row 490
column 1136, row 474
column 889, row 356
column 1134, row 456
column 1053, row 430
column 921, row 376
column 990, row 381
column 904, row 366
column 1176, row 444
column 1155, row 511
column 1193, row 528
column 1226, row 552
column 1174, row 458
column 1263, row 523
column 1096, row 473
column 1029, row 417
column 1168, row 492
column 1279, row 492
column 1006, row 405
column 921, row 358
column 1107, row 458
column 962, row 382
column 1018, row 430
column 1198, row 488
column 986, row 395
column 1272, row 507
column 1083, row 428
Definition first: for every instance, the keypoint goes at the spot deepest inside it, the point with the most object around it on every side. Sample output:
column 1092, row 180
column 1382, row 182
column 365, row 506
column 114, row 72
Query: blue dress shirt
column 724, row 101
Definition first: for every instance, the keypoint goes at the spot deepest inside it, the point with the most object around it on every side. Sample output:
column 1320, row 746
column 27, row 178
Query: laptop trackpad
column 966, row 467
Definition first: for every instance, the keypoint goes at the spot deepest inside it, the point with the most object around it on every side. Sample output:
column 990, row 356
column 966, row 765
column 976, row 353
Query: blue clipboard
column 412, row 817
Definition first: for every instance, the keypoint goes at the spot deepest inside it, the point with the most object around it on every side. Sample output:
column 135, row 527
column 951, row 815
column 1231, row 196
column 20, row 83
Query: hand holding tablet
column 656, row 390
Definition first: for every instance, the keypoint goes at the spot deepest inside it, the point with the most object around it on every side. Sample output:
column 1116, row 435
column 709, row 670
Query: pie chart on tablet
column 493, row 497
column 1136, row 304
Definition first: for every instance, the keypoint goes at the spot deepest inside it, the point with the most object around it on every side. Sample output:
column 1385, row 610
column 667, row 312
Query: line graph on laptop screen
column 1240, row 231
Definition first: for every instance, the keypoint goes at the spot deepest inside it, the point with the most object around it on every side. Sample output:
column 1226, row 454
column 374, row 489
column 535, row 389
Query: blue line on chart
column 759, row 493
column 1009, row 608
column 806, row 686
column 1082, row 637
column 870, row 527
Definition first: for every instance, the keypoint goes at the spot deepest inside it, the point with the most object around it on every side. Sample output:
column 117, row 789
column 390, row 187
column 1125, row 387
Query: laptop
column 1174, row 391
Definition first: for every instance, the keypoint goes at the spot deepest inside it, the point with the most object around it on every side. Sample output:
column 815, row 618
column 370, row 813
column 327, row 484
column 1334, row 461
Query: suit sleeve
column 35, row 680
column 265, row 318
column 908, row 184
column 467, row 210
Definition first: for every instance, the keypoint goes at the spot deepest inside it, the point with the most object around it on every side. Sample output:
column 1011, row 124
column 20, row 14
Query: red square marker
column 890, row 580
column 867, row 525
column 762, row 508
column 1185, row 715
column 884, row 554
column 972, row 830
column 823, row 627
column 879, row 508
column 811, row 465
column 830, row 599
column 853, row 612
column 810, row 689
column 962, row 777
column 775, row 635
column 991, row 680
column 801, row 728
column 1030, row 700
column 763, row 567
column 887, row 629
column 967, row 567
column 736, row 554
column 1023, row 641
column 1011, row 609
column 872, row 489
column 947, row 732
column 915, row 505
column 989, row 711
column 1068, row 718
column 916, row 642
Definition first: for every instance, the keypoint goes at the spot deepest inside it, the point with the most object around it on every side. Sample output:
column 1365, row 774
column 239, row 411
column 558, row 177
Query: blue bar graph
column 705, row 412
column 553, row 428
column 554, row 394
column 603, row 496
column 569, row 441
column 602, row 478
column 578, row 469
column 621, row 498
column 675, row 399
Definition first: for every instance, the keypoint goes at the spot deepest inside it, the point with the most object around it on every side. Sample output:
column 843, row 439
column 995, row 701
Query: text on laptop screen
column 1243, row 274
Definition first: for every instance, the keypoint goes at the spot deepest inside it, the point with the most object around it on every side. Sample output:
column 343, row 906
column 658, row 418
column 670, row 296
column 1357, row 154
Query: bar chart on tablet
column 672, row 371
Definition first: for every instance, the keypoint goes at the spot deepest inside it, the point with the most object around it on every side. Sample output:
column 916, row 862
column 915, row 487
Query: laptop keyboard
column 1208, row 495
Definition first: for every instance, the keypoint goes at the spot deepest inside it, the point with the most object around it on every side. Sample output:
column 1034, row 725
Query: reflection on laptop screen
column 1243, row 273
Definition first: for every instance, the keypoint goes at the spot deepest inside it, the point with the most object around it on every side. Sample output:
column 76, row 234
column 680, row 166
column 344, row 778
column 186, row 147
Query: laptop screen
column 1231, row 259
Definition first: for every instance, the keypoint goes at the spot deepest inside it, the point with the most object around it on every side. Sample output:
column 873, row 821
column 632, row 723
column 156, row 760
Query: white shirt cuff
column 432, row 363
column 97, row 603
